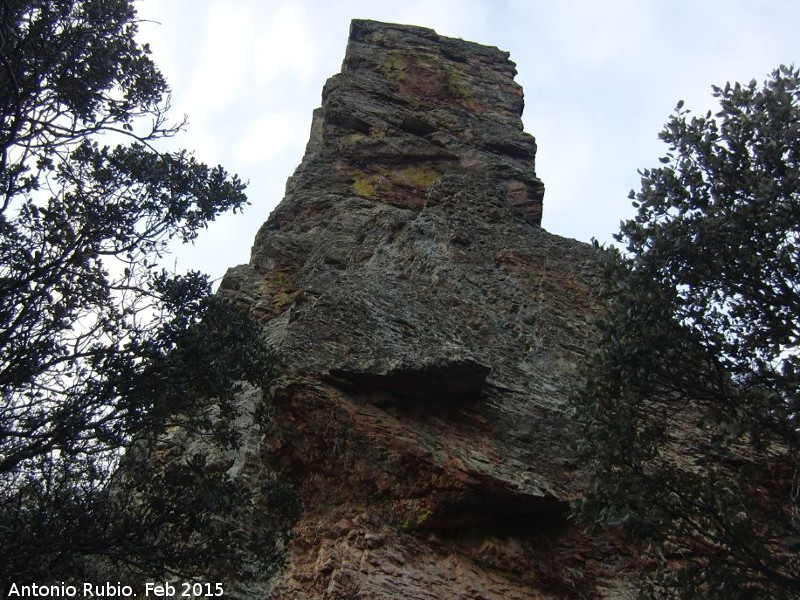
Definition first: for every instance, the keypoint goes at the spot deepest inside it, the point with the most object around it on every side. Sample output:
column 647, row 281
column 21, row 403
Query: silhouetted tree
column 690, row 411
column 97, row 343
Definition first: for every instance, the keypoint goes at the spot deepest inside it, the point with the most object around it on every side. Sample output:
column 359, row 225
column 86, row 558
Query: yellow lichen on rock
column 419, row 177
column 365, row 185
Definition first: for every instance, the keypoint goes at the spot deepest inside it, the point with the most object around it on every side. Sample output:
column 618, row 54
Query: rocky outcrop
column 429, row 333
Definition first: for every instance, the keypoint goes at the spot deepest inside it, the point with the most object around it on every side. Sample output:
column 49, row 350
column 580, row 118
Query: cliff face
column 429, row 333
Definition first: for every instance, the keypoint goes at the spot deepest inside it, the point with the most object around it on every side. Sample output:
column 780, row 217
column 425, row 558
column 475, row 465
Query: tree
column 98, row 344
column 691, row 410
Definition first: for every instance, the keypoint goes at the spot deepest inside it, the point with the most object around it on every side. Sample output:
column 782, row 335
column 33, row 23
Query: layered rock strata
column 429, row 333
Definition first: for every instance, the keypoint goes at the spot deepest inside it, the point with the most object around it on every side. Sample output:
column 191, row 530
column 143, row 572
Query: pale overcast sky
column 601, row 77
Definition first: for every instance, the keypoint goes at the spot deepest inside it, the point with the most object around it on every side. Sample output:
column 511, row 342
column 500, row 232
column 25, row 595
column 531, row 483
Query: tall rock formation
column 429, row 332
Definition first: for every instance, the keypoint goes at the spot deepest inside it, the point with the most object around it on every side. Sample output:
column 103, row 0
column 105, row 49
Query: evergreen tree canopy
column 692, row 405
column 97, row 342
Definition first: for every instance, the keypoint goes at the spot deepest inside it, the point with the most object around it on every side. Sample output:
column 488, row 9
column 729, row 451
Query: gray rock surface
column 429, row 333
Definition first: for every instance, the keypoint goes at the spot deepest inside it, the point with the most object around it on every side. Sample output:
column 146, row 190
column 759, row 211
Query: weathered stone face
column 429, row 332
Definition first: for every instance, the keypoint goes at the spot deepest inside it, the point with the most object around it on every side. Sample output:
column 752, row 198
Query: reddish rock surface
column 429, row 333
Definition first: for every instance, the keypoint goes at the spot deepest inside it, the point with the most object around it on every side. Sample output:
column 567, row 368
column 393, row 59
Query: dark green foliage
column 63, row 518
column 690, row 412
column 99, row 345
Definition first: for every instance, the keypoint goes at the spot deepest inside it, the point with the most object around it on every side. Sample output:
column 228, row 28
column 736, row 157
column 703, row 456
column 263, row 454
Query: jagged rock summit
column 429, row 332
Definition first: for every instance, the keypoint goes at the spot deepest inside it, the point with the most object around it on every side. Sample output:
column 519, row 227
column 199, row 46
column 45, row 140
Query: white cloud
column 269, row 136
column 222, row 63
column 286, row 47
